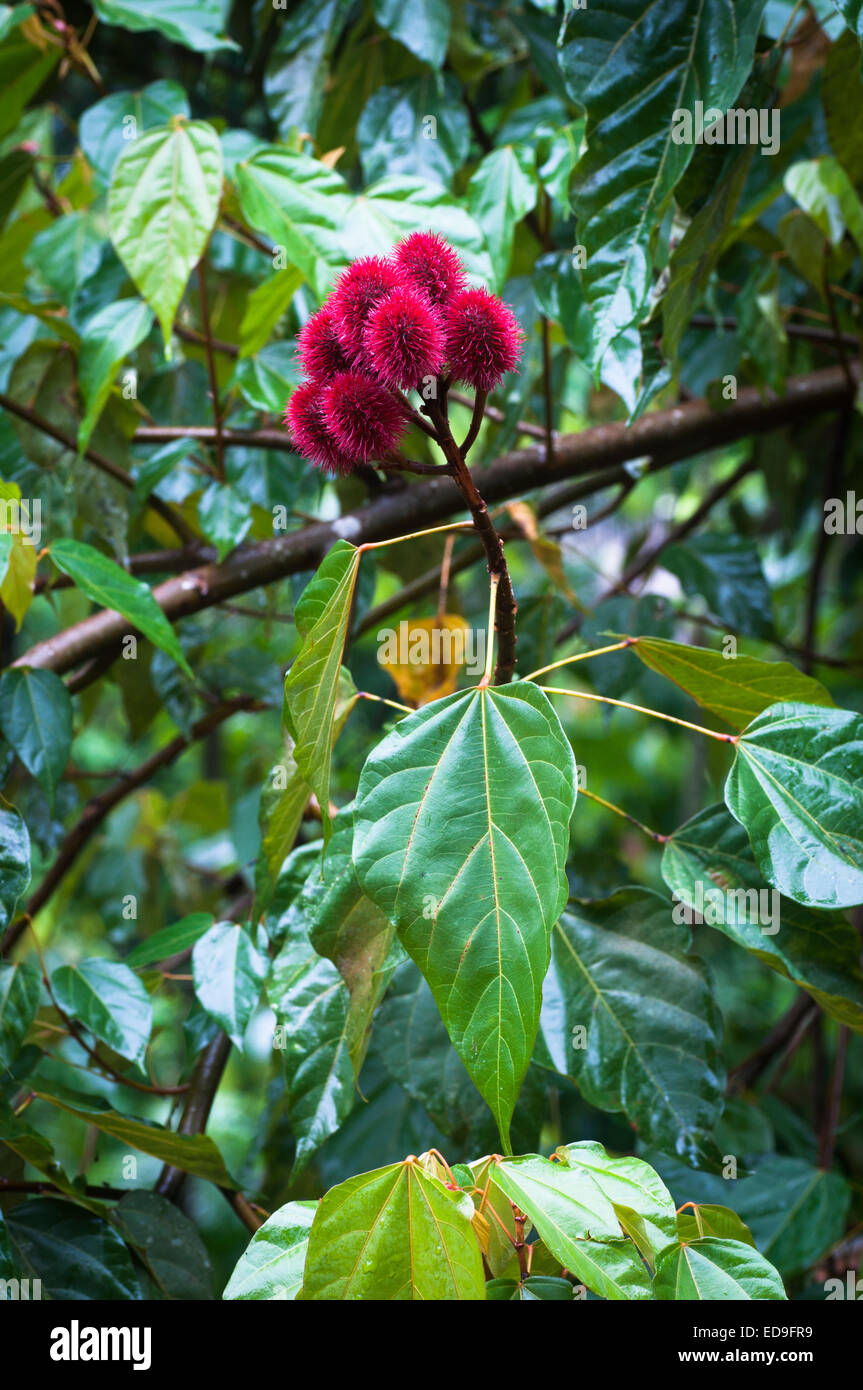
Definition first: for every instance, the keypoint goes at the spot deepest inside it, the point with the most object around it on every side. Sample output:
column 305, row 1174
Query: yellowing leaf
column 424, row 656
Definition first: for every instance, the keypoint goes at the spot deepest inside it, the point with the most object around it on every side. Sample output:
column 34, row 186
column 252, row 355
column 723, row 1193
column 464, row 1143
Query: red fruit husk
column 427, row 262
column 404, row 339
column 356, row 293
column 365, row 419
column 483, row 339
column 310, row 434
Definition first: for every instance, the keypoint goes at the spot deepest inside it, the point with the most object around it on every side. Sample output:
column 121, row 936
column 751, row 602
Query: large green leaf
column 110, row 1001
column 229, row 971
column 36, row 720
column 296, row 76
column 642, row 1203
column 107, row 339
column 396, row 1233
column 271, row 1266
column 819, row 952
column 632, row 67
column 14, row 861
column 193, row 1153
column 23, row 69
column 162, row 206
column 502, row 190
column 312, row 683
column 423, row 28
column 734, row 688
column 629, row 1015
column 20, row 988
column 106, row 583
column 299, row 203
column 578, row 1223
column 462, row 828
column 76, row 1255
column 709, row 1268
column 797, row 786
column 196, row 24
column 397, row 204
column 726, row 570
column 706, row 1219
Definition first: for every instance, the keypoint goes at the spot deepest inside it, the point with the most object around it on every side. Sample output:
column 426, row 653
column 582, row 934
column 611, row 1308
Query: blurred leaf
column 75, row 1254
column 295, row 79
column 225, row 517
column 265, row 305
column 169, row 1244
column 105, row 127
column 423, row 28
column 408, row 129
column 196, row 24
column 20, row 991
column 266, row 379
column 170, row 941
column 36, row 720
column 14, row 861
column 23, row 69
column 823, row 189
column 501, row 192
column 726, row 570
column 299, row 203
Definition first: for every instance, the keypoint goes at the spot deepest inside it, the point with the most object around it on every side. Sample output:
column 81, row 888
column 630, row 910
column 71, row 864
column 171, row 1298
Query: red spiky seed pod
column 427, row 262
column 358, row 289
column 365, row 419
column 483, row 339
column 404, row 339
column 310, row 434
column 320, row 352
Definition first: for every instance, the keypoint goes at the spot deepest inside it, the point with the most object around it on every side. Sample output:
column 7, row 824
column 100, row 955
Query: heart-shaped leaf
column 721, row 1270
column 271, row 1266
column 461, row 833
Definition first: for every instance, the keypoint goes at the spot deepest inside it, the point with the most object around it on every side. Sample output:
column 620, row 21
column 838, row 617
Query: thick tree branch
column 664, row 437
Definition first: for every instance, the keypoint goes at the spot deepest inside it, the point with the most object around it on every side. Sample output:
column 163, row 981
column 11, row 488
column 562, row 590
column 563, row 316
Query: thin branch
column 746, row 1073
column 211, row 370
column 174, row 519
column 827, row 1137
column 99, row 807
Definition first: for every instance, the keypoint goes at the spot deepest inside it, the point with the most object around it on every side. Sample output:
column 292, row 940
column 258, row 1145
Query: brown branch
column 176, row 522
column 827, row 1137
column 800, row 1015
column 99, row 807
column 664, row 436
column 822, row 337
column 491, row 412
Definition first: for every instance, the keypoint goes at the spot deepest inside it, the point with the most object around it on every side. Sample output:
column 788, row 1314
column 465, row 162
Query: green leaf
column 109, row 1000
column 822, row 189
column 14, row 861
column 170, row 941
column 106, row 583
column 311, row 1003
column 397, row 135
column 842, row 99
column 196, row 24
column 820, row 953
column 796, row 1212
column 642, row 1203
column 196, row 1154
column 423, row 28
column 271, row 1266
column 299, row 203
column 20, row 988
column 75, row 1254
column 795, row 785
column 297, row 71
column 705, row 1219
column 720, row 1270
column 577, row 1222
column 628, row 1014
column 632, row 68
column 397, row 204
column 535, row 1288
column 169, row 1244
column 462, row 828
column 106, row 127
column 7, row 542
column 265, row 305
column 229, row 971
column 345, row 927
column 501, row 192
column 267, row 379
column 312, row 683
column 36, row 720
column 108, row 338
column 35, row 1149
column 225, row 517
column 726, row 570
column 15, row 169
column 23, row 69
column 393, row 1234
column 734, row 688
column 162, row 206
